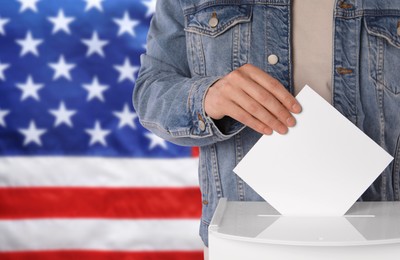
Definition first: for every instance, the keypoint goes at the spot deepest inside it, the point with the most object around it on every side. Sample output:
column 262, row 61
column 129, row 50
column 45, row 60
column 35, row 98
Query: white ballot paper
column 319, row 168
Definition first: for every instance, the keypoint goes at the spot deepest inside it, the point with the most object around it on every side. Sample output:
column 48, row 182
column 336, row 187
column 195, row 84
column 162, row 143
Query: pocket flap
column 386, row 27
column 227, row 17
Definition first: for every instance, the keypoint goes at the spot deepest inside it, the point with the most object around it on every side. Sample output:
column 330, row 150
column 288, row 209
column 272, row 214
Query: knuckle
column 274, row 84
column 282, row 113
column 289, row 100
column 253, row 108
column 277, row 88
column 266, row 98
column 235, row 75
column 223, row 82
column 259, row 127
column 226, row 87
column 273, row 123
column 246, row 66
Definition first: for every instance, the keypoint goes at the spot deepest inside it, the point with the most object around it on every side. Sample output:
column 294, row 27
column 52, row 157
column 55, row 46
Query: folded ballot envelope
column 319, row 168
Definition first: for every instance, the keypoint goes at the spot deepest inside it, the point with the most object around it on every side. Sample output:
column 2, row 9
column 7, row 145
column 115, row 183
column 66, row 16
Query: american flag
column 80, row 178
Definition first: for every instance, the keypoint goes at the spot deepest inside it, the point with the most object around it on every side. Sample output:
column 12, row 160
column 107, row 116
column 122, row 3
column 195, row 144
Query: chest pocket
column 384, row 50
column 218, row 39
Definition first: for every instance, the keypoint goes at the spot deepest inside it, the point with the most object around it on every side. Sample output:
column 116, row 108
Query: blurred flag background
column 80, row 178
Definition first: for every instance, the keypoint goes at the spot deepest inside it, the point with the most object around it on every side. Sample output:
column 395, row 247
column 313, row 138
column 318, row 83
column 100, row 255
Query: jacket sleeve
column 168, row 101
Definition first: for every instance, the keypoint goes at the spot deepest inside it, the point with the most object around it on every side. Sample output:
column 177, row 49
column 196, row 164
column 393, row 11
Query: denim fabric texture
column 186, row 54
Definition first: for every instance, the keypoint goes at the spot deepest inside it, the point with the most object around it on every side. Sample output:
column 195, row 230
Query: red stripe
column 195, row 151
column 98, row 255
column 18, row 203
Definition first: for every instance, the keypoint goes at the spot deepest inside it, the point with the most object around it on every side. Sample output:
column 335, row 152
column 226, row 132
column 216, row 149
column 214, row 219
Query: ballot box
column 255, row 230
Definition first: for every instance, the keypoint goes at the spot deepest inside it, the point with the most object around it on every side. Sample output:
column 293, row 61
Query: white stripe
column 97, row 172
column 96, row 234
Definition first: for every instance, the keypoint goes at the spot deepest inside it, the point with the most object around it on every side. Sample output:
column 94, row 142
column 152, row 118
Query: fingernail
column 296, row 108
column 291, row 121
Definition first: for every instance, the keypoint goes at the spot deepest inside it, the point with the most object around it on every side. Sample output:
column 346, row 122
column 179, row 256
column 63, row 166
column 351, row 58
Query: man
column 219, row 74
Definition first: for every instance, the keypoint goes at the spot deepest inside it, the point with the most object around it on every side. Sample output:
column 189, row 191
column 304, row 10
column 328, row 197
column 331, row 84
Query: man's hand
column 253, row 98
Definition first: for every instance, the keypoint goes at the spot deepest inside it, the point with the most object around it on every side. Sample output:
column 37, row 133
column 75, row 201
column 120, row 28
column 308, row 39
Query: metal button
column 344, row 71
column 273, row 59
column 202, row 125
column 344, row 5
column 213, row 22
column 205, row 202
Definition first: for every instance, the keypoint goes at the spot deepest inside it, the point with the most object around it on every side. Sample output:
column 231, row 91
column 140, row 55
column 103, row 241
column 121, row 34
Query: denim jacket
column 187, row 53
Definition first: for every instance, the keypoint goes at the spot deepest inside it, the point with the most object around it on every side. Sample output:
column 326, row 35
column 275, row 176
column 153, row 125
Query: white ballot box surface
column 255, row 230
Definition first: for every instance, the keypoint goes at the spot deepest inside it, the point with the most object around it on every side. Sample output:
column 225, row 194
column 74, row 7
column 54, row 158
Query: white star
column 95, row 45
column 126, row 25
column 97, row 135
column 32, row 134
column 151, row 7
column 2, row 23
column 62, row 115
column 29, row 44
column 126, row 117
column 126, row 71
column 61, row 68
column 93, row 4
column 95, row 89
column 61, row 22
column 28, row 4
column 3, row 67
column 3, row 114
column 156, row 141
column 29, row 89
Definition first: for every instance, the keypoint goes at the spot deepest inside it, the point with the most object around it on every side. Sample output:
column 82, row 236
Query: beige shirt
column 312, row 45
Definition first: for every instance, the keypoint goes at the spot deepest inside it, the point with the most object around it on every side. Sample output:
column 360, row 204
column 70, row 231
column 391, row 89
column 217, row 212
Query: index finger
column 276, row 89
